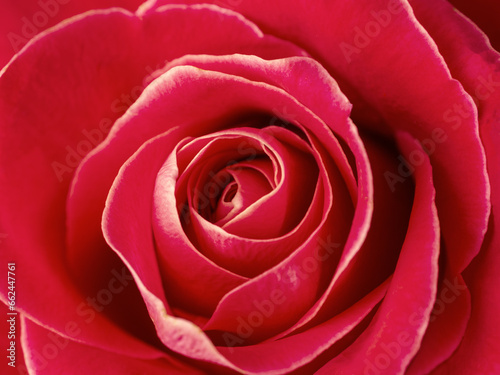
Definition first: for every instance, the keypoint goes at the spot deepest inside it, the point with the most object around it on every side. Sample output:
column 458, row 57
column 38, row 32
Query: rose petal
column 476, row 65
column 394, row 330
column 134, row 245
column 412, row 75
column 52, row 98
column 49, row 353
column 298, row 280
column 182, row 266
column 447, row 324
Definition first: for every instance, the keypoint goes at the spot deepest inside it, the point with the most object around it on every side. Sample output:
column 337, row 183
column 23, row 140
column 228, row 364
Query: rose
column 361, row 291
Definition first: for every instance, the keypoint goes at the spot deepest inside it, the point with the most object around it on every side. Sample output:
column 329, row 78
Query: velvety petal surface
column 290, row 353
column 377, row 257
column 447, row 324
column 182, row 266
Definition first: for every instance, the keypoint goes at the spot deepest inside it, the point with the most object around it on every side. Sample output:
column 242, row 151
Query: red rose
column 252, row 187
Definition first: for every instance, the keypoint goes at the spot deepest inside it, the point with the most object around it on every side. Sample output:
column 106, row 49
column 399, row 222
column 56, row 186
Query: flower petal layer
column 394, row 335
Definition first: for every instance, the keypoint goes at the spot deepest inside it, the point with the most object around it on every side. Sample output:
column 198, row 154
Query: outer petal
column 21, row 21
column 477, row 66
column 447, row 324
column 48, row 353
column 47, row 127
column 305, row 348
column 394, row 335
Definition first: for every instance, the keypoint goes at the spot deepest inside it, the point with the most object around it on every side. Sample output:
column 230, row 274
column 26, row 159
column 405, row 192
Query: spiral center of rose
column 235, row 179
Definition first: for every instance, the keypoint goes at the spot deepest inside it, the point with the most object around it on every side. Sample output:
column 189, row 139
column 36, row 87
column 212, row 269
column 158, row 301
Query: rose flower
column 251, row 187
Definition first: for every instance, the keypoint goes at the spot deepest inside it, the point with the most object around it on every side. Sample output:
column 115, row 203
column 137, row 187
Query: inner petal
column 230, row 178
column 247, row 186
